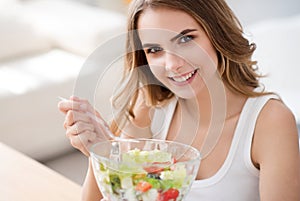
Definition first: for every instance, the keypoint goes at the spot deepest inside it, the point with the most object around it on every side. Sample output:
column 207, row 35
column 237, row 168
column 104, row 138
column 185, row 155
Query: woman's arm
column 80, row 126
column 275, row 150
column 82, row 130
column 137, row 129
column 90, row 190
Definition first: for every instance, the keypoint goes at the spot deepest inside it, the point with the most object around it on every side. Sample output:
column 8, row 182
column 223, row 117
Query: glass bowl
column 144, row 169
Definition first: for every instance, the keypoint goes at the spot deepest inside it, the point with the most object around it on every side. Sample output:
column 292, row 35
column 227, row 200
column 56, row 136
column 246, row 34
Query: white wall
column 251, row 11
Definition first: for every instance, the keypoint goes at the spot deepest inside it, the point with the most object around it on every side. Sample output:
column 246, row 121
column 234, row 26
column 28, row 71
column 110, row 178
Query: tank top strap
column 247, row 127
column 251, row 111
column 244, row 130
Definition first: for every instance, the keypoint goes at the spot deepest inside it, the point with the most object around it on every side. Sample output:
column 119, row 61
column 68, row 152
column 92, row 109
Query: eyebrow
column 184, row 32
column 150, row 45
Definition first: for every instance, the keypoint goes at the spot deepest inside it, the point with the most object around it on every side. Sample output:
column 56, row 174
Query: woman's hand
column 82, row 123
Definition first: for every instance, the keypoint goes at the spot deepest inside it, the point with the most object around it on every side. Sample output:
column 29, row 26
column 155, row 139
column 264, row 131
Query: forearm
column 90, row 191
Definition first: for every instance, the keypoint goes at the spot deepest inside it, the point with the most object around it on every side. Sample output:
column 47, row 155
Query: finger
column 66, row 105
column 75, row 98
column 95, row 116
column 80, row 143
column 88, row 137
column 78, row 128
column 85, row 104
column 91, row 112
column 73, row 116
column 102, row 133
column 85, row 139
column 80, row 100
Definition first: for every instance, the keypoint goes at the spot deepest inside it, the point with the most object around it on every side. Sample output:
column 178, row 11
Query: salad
column 143, row 176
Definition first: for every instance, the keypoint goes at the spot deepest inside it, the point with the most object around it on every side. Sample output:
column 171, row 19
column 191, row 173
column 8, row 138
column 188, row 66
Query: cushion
column 29, row 88
column 73, row 26
column 18, row 36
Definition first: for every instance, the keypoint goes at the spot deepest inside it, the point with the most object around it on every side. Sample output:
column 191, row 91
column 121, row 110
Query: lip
column 188, row 81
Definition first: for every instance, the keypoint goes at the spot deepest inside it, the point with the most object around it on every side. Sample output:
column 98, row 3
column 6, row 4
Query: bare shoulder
column 276, row 114
column 275, row 127
column 275, row 151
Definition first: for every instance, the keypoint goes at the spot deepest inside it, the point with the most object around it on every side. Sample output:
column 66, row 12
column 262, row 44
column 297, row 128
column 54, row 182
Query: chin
column 186, row 94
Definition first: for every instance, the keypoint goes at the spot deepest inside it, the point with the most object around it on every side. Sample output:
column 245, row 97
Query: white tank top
column 237, row 179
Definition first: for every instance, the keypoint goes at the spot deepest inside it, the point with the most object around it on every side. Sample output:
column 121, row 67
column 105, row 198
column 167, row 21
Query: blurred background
column 44, row 44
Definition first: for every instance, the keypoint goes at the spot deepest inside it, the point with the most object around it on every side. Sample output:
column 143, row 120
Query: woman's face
column 178, row 50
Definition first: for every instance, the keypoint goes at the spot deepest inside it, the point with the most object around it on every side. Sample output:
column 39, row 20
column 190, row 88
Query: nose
column 173, row 62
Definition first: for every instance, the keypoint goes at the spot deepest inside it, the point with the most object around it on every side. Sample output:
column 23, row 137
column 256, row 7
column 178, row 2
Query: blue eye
column 153, row 50
column 185, row 39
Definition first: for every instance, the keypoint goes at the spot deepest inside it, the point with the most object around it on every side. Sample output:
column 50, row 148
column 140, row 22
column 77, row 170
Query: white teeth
column 184, row 78
column 179, row 79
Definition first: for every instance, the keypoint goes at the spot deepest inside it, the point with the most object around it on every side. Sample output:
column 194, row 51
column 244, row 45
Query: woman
column 195, row 65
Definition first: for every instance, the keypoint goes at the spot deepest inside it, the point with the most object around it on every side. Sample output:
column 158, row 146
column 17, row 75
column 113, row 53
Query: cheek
column 159, row 74
column 206, row 58
column 157, row 67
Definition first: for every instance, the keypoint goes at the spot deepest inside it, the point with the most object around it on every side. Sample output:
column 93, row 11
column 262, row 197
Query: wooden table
column 24, row 179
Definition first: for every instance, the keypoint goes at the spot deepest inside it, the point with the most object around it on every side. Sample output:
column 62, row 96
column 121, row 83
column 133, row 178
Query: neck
column 214, row 104
column 211, row 102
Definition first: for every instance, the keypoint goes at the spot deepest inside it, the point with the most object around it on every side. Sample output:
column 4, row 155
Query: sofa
column 44, row 44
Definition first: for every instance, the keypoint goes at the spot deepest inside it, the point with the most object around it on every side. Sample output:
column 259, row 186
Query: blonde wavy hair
column 235, row 65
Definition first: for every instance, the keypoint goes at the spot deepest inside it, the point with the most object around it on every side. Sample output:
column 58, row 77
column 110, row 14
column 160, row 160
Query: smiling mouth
column 184, row 78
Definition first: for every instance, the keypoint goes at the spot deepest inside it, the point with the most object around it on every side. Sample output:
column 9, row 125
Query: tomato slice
column 170, row 194
column 157, row 167
column 143, row 186
column 153, row 169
